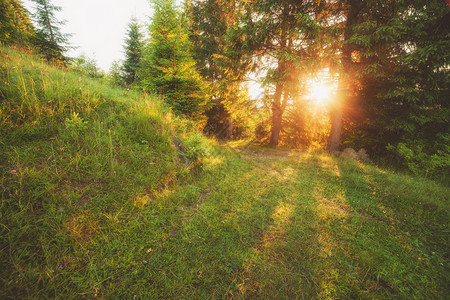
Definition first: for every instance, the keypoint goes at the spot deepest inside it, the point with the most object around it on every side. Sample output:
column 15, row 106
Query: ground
column 253, row 222
column 285, row 224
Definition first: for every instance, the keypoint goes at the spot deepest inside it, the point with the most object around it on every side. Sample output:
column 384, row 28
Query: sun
column 320, row 92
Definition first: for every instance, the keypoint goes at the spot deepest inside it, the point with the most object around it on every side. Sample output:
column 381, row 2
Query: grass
column 106, row 209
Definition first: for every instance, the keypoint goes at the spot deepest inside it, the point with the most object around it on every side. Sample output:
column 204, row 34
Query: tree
column 352, row 13
column 282, row 35
column 49, row 39
column 133, row 52
column 222, row 63
column 168, row 67
column 86, row 65
column 405, row 83
column 15, row 24
column 115, row 74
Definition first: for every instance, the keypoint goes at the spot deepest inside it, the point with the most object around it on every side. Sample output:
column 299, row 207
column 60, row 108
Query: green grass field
column 95, row 203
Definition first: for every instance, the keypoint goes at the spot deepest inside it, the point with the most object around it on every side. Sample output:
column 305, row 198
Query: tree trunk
column 344, row 88
column 229, row 129
column 334, row 138
column 49, row 25
column 277, row 116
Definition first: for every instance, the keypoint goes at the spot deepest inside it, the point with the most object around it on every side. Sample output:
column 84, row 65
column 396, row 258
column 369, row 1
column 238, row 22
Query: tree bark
column 344, row 88
column 336, row 113
column 277, row 116
column 229, row 129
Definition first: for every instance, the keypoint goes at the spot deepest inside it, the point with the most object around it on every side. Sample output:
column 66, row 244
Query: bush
column 419, row 162
column 196, row 148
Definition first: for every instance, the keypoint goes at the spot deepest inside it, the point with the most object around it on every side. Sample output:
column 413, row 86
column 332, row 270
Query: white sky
column 99, row 26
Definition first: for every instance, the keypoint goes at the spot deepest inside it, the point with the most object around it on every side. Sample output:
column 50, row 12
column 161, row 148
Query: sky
column 99, row 26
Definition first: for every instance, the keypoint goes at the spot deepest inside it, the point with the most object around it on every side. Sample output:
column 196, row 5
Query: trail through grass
column 260, row 223
column 95, row 203
column 283, row 224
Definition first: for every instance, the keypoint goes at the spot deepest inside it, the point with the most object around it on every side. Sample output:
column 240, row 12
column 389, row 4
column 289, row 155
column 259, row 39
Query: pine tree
column 49, row 39
column 133, row 52
column 168, row 67
column 222, row 62
column 352, row 12
column 15, row 24
column 405, row 83
column 282, row 35
column 115, row 74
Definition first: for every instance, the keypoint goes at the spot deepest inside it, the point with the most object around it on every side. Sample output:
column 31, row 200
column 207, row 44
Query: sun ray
column 320, row 92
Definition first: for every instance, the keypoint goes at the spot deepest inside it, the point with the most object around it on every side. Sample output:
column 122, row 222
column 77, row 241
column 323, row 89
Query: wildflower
column 13, row 171
column 39, row 150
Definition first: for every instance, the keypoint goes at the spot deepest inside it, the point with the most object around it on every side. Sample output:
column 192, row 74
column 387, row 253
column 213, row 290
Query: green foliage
column 196, row 148
column 168, row 67
column 15, row 24
column 77, row 158
column 223, row 63
column 285, row 38
column 133, row 52
column 95, row 203
column 405, row 81
column 75, row 126
column 420, row 163
column 115, row 74
column 86, row 65
column 49, row 39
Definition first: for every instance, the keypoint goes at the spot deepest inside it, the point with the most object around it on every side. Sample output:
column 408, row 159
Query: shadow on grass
column 303, row 226
column 388, row 258
column 208, row 252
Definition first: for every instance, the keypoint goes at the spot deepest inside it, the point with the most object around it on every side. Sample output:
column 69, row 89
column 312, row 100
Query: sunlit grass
column 76, row 155
column 100, row 205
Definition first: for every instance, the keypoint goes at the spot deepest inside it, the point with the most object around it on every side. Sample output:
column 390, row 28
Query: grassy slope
column 75, row 154
column 105, row 208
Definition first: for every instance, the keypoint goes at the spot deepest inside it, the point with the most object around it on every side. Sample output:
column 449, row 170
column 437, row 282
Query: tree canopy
column 133, row 52
column 51, row 42
column 168, row 67
column 15, row 24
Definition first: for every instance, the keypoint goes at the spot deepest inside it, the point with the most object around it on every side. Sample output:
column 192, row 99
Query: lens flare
column 320, row 92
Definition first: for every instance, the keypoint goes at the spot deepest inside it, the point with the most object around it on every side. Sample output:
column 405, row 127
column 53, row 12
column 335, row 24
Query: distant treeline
column 389, row 59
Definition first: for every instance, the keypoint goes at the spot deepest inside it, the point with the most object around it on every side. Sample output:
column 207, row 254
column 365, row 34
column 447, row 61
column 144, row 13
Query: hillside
column 97, row 201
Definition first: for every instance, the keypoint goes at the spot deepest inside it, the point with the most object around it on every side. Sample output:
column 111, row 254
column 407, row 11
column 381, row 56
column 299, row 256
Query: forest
column 241, row 149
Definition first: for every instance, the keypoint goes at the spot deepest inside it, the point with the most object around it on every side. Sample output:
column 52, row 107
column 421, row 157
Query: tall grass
column 74, row 155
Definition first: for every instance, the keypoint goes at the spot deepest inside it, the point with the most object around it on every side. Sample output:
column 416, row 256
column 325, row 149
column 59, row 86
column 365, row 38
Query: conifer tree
column 133, row 52
column 15, row 24
column 168, row 67
column 282, row 35
column 222, row 62
column 405, row 82
column 352, row 13
column 115, row 74
column 51, row 42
